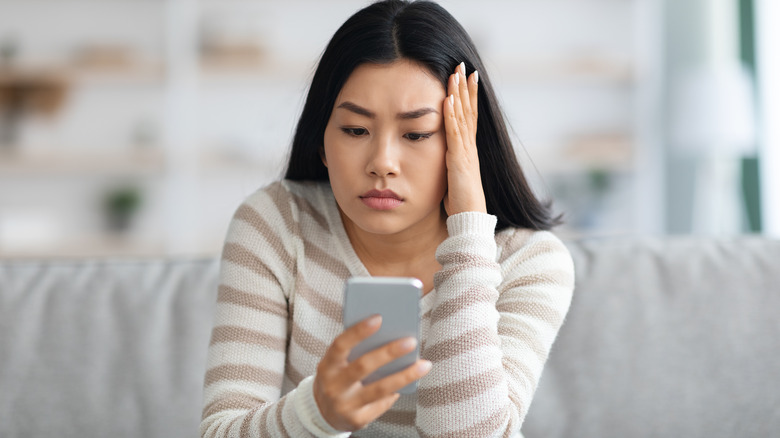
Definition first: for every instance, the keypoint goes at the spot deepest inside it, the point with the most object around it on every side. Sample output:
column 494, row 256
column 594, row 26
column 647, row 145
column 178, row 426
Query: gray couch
column 674, row 337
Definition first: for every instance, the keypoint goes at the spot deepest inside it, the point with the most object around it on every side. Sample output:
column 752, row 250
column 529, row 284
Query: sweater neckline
column 354, row 264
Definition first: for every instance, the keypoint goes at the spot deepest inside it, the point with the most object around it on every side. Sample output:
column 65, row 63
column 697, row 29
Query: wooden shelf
column 81, row 162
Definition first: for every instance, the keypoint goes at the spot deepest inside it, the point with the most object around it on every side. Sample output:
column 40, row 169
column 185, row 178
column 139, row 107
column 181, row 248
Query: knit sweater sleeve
column 492, row 323
column 247, row 353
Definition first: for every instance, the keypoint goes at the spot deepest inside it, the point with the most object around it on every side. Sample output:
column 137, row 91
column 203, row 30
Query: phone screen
column 397, row 299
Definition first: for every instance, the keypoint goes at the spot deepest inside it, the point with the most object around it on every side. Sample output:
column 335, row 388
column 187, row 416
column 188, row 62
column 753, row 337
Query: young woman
column 392, row 173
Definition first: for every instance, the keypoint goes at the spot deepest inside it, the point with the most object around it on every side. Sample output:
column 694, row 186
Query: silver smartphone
column 397, row 299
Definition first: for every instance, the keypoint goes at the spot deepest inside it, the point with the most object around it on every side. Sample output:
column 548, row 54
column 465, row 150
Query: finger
column 366, row 364
column 463, row 91
column 394, row 382
column 474, row 96
column 343, row 344
column 460, row 118
column 374, row 410
column 451, row 127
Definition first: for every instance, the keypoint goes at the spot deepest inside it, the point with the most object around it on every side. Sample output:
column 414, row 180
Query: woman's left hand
column 464, row 184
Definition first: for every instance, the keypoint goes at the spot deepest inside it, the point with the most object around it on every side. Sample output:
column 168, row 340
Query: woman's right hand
column 344, row 402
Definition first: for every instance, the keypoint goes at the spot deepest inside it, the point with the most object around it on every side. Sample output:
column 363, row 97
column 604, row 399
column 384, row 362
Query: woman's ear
column 322, row 156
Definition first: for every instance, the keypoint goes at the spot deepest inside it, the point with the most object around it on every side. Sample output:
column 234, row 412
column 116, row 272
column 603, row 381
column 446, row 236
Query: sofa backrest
column 676, row 337
column 665, row 337
column 104, row 348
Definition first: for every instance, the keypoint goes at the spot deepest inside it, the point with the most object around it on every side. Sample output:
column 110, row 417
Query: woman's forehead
column 403, row 85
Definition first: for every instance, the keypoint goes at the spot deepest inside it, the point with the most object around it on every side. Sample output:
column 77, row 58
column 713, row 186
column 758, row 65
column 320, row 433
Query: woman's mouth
column 381, row 199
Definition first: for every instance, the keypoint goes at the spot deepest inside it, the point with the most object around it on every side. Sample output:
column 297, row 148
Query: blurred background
column 136, row 127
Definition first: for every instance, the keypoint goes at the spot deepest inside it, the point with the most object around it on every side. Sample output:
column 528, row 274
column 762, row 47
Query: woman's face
column 385, row 146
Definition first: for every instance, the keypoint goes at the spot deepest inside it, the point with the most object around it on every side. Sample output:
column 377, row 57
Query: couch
column 672, row 337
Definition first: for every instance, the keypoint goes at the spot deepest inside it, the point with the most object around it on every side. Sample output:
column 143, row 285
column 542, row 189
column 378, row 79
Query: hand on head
column 464, row 183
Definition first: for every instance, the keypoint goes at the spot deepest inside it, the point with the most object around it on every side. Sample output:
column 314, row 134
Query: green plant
column 120, row 205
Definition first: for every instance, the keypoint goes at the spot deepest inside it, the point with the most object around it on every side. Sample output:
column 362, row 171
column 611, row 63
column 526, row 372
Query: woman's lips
column 381, row 199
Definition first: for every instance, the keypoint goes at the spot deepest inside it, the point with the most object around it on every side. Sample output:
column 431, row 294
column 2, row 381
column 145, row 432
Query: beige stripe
column 471, row 296
column 233, row 423
column 236, row 253
column 522, row 409
column 274, row 241
column 280, row 197
column 263, row 423
column 461, row 390
column 517, row 400
column 465, row 258
column 316, row 216
column 327, row 262
column 541, row 311
column 292, row 372
column 464, row 343
column 327, row 307
column 234, row 402
column 279, row 419
column 520, row 373
column 526, row 251
column 486, row 427
column 244, row 373
column 308, row 342
column 455, row 263
column 246, row 336
column 526, row 335
column 514, row 240
column 247, row 423
column 254, row 301
column 563, row 278
column 398, row 418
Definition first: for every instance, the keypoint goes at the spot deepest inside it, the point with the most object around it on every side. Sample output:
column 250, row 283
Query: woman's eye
column 417, row 136
column 355, row 132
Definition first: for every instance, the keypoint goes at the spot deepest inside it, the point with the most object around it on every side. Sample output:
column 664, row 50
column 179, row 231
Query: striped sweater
column 487, row 326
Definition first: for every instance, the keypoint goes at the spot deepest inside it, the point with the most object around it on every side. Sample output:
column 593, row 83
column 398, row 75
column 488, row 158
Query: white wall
column 564, row 69
column 768, row 64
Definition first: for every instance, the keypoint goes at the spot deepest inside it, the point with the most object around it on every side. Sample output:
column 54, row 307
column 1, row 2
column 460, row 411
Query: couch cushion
column 104, row 348
column 666, row 337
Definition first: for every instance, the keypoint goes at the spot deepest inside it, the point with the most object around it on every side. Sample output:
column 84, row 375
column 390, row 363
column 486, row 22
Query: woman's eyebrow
column 357, row 109
column 415, row 114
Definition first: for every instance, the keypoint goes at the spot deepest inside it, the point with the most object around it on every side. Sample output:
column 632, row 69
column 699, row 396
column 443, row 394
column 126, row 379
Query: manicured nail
column 424, row 366
column 476, row 77
column 452, row 99
column 375, row 321
column 463, row 68
column 408, row 344
column 457, row 79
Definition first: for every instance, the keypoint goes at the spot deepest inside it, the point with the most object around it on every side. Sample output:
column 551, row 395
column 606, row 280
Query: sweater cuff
column 471, row 222
column 309, row 413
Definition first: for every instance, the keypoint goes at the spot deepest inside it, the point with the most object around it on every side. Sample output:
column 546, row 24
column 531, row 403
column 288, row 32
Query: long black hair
column 421, row 31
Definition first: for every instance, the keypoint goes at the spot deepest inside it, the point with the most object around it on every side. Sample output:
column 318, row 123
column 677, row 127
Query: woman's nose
column 383, row 161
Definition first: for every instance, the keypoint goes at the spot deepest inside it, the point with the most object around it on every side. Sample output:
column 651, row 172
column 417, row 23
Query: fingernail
column 457, row 79
column 476, row 76
column 452, row 99
column 408, row 343
column 463, row 68
column 424, row 366
column 375, row 321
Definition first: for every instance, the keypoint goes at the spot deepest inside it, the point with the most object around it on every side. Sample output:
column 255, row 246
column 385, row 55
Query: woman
column 392, row 173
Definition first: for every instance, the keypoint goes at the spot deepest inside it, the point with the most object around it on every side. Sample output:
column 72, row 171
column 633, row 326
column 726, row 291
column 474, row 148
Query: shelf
column 584, row 71
column 136, row 74
column 80, row 162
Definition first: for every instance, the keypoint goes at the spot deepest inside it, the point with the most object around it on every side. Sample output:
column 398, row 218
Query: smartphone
column 397, row 299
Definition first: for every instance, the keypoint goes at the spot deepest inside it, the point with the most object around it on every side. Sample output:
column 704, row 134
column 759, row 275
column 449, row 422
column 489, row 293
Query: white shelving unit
column 199, row 132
